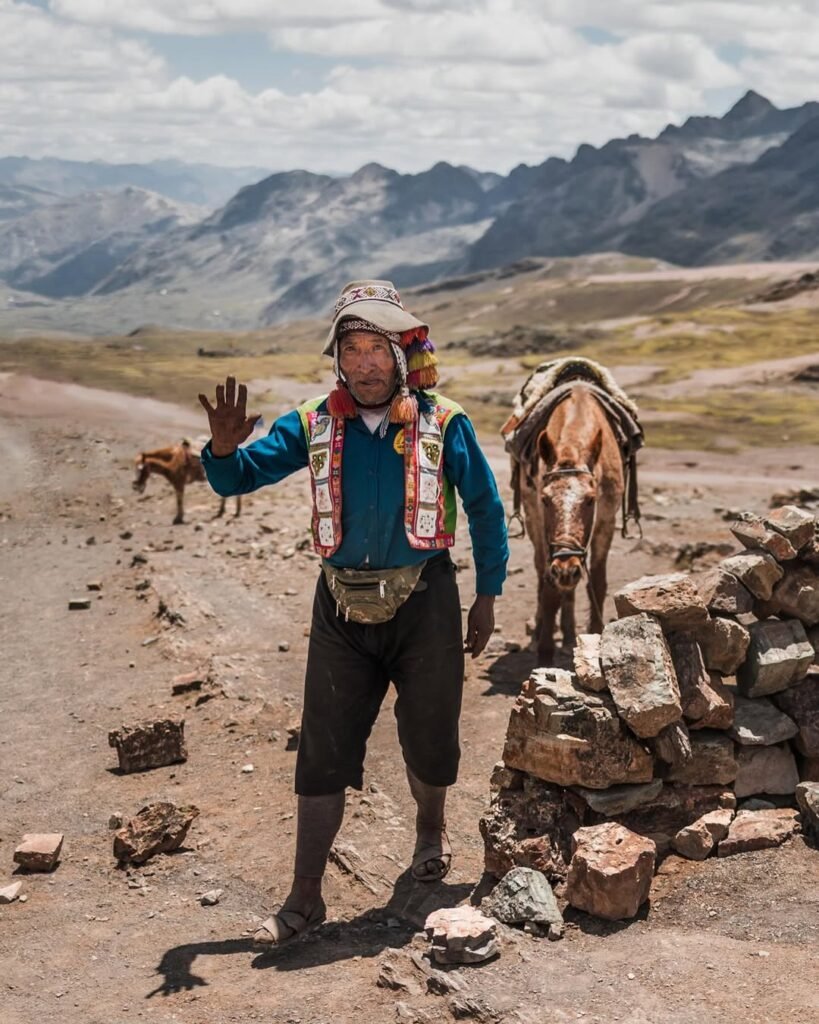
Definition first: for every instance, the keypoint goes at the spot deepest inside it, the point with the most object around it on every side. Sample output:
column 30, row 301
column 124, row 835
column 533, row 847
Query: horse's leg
column 238, row 504
column 547, row 606
column 180, row 512
column 222, row 504
column 598, row 578
column 567, row 623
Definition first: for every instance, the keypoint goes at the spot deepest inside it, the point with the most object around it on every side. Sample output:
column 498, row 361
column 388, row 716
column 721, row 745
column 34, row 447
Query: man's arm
column 266, row 461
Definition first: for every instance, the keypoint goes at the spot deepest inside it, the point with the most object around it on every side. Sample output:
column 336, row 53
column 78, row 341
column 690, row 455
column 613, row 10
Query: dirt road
column 725, row 940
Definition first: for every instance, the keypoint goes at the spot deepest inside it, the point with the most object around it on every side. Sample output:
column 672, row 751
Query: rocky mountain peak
column 751, row 107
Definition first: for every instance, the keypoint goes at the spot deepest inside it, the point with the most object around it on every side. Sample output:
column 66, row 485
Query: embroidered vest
column 429, row 505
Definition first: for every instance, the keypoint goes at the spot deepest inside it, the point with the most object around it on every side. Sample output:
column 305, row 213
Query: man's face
column 366, row 359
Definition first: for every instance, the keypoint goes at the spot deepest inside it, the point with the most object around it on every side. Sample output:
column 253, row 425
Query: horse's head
column 141, row 473
column 568, row 494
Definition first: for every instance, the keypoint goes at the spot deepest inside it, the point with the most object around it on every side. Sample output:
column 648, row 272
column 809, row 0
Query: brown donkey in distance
column 571, row 489
column 179, row 465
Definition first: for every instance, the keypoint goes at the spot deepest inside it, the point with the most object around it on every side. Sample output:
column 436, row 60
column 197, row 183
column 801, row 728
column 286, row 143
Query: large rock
column 801, row 703
column 779, row 655
column 562, row 734
column 807, row 796
column 39, row 851
column 753, row 532
column 797, row 594
column 587, row 662
column 639, row 673
column 758, row 830
column 611, row 871
column 620, row 799
column 675, row 807
column 157, row 828
column 462, row 935
column 723, row 593
column 149, row 745
column 720, row 714
column 531, row 825
column 794, row 523
column 701, row 701
column 758, row 570
column 765, row 770
column 697, row 840
column 673, row 598
column 712, row 760
column 724, row 644
column 524, row 895
column 672, row 745
column 758, row 723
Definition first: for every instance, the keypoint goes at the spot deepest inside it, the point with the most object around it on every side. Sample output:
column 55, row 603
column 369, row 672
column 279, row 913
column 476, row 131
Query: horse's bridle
column 558, row 550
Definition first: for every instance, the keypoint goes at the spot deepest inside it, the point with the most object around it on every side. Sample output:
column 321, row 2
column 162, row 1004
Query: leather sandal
column 285, row 926
column 436, row 860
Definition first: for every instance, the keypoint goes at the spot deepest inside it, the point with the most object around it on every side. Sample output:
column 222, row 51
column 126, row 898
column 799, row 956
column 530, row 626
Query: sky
column 329, row 85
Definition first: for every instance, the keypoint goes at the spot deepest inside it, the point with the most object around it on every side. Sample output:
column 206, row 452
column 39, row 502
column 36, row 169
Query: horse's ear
column 545, row 449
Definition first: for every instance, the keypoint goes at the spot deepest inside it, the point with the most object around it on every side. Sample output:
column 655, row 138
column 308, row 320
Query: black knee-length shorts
column 349, row 669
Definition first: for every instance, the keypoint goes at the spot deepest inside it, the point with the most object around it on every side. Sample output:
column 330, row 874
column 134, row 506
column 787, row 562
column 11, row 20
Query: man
column 385, row 454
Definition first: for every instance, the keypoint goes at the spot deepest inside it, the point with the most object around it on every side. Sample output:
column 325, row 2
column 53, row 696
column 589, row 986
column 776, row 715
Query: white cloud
column 486, row 82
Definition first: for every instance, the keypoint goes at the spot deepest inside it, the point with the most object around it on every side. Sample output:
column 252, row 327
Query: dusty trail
column 94, row 945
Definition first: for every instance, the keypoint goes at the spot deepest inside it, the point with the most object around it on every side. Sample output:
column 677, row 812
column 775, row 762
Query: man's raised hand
column 229, row 423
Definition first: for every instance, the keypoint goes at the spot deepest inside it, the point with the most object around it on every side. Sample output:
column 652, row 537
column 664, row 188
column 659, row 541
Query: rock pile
column 703, row 693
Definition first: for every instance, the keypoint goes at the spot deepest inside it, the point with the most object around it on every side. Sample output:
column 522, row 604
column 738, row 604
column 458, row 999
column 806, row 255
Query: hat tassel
column 340, row 403
column 404, row 408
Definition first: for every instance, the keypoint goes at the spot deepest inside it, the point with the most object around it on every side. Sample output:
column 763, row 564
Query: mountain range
column 740, row 187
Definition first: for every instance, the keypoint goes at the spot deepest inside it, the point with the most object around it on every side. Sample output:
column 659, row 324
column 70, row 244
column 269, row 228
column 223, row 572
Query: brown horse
column 570, row 490
column 180, row 466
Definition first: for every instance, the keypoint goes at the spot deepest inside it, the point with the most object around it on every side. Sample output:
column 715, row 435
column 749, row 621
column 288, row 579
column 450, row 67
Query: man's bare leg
column 319, row 819
column 430, row 829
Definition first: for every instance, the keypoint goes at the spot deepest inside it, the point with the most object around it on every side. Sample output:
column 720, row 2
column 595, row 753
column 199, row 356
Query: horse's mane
column 547, row 376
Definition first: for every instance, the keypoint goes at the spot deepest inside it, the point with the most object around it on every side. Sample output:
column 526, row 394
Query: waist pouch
column 371, row 595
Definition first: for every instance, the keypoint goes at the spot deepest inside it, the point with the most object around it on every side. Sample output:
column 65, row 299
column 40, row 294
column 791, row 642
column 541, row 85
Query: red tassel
column 423, row 379
column 404, row 409
column 341, row 404
column 415, row 333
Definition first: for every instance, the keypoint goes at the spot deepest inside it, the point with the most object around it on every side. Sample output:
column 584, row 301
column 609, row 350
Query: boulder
column 673, row 598
column 461, row 935
column 640, row 675
column 769, row 770
column 753, row 532
column 697, row 840
column 757, row 570
column 39, row 851
column 797, row 594
column 724, row 644
column 720, row 713
column 610, row 872
column 758, row 723
column 531, row 825
column 779, row 655
column 150, row 745
column 673, row 744
column 524, row 895
column 587, row 662
column 758, row 830
column 562, row 734
column 801, row 703
column 156, row 828
column 794, row 523
column 807, row 796
column 620, row 799
column 723, row 593
column 712, row 760
column 699, row 699
column 675, row 807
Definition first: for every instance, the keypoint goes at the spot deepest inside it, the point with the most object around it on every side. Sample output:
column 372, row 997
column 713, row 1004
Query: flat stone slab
column 587, row 662
column 39, row 851
column 801, row 703
column 758, row 723
column 757, row 570
column 620, row 799
column 807, row 796
column 770, row 770
column 724, row 644
column 462, row 935
column 639, row 673
column 149, row 745
column 712, row 760
column 779, row 655
column 156, row 828
column 673, row 598
column 524, row 895
column 611, row 871
column 758, row 830
column 560, row 733
column 723, row 593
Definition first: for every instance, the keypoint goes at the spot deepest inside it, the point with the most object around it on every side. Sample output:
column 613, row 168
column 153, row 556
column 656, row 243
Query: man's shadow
column 365, row 935
column 510, row 671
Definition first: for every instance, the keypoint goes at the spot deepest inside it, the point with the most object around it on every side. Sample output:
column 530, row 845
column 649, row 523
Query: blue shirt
column 372, row 491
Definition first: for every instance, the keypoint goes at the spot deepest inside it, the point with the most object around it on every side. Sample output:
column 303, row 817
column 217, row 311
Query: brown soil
column 724, row 941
